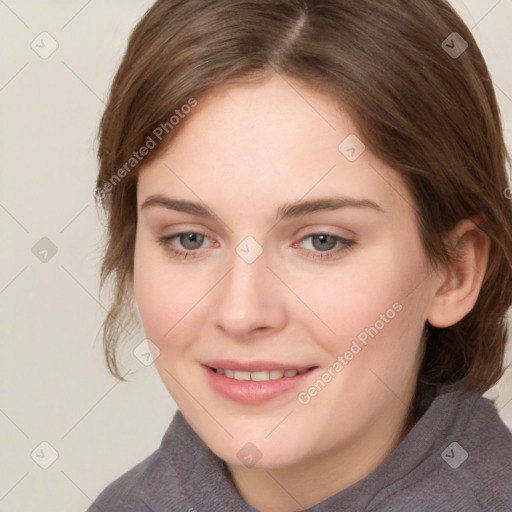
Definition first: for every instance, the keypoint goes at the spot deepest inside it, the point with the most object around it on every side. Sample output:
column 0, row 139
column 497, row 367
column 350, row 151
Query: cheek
column 378, row 298
column 165, row 295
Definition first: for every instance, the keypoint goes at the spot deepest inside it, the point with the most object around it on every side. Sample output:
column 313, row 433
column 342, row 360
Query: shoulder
column 461, row 452
column 121, row 495
column 472, row 458
column 158, row 481
column 487, row 441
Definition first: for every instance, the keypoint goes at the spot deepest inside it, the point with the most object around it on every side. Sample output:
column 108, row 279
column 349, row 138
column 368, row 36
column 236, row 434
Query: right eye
column 190, row 242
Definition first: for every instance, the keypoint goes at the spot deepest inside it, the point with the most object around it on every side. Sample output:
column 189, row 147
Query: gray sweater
column 457, row 458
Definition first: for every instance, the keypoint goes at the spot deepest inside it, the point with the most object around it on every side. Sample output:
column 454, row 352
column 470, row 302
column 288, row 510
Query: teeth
column 242, row 375
column 259, row 376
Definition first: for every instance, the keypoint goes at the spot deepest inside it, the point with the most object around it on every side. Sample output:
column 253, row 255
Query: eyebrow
column 286, row 211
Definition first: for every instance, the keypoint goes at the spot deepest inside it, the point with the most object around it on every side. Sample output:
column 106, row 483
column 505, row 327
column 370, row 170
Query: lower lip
column 253, row 392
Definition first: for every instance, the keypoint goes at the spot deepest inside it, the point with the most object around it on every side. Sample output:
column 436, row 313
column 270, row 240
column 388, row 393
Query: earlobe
column 462, row 278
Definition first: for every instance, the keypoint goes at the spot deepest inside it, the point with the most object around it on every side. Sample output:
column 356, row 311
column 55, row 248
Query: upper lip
column 254, row 366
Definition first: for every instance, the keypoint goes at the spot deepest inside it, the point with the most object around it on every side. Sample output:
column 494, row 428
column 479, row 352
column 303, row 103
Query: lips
column 254, row 382
column 254, row 366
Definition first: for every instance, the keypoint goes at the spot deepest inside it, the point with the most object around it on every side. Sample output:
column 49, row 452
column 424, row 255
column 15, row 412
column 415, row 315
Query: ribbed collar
column 186, row 473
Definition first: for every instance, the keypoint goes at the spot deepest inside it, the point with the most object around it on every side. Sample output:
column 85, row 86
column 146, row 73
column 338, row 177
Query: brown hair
column 430, row 115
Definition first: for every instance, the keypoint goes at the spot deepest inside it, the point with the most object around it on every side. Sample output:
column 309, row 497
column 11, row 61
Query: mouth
column 261, row 376
column 257, row 382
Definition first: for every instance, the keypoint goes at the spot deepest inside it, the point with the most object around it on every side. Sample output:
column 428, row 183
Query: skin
column 245, row 151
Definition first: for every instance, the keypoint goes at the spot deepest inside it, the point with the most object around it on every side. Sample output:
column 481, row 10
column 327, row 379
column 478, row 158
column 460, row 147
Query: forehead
column 258, row 144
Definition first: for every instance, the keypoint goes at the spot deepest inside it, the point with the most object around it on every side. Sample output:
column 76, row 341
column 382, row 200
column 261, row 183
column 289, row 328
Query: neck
column 311, row 481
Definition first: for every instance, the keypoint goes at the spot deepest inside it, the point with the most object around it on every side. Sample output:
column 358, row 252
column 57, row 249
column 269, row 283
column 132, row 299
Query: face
column 267, row 244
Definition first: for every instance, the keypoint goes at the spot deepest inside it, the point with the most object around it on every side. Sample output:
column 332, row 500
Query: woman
column 307, row 204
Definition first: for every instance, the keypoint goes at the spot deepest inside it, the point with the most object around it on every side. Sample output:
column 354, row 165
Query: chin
column 250, row 450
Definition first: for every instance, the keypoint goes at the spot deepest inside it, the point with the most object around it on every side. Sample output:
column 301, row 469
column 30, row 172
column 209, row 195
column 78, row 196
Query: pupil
column 191, row 240
column 323, row 239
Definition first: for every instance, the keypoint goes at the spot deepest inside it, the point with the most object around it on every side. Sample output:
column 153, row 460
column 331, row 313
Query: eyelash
column 165, row 241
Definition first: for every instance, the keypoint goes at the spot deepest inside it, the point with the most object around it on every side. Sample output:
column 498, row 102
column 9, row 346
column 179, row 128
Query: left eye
column 323, row 244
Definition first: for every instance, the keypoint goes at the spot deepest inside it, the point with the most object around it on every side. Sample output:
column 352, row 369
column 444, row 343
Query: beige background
column 54, row 386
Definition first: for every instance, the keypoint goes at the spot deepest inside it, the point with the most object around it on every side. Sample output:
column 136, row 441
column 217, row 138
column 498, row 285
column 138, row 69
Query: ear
column 461, row 280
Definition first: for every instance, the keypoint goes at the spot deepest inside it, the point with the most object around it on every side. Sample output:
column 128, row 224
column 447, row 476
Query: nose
column 250, row 299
